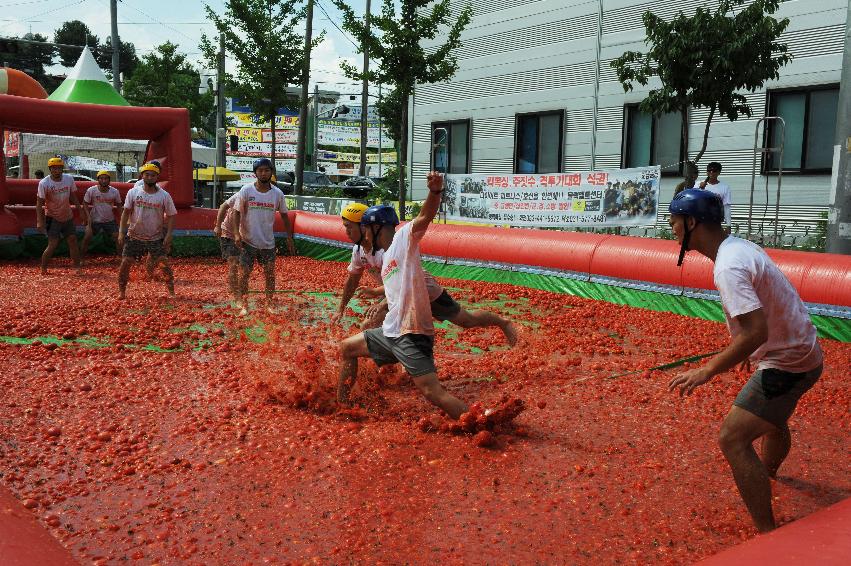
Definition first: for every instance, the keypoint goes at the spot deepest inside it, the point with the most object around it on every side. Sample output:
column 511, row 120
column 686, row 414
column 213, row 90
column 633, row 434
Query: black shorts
column 57, row 229
column 229, row 249
column 444, row 307
column 138, row 248
column 250, row 253
column 772, row 394
column 105, row 227
column 414, row 351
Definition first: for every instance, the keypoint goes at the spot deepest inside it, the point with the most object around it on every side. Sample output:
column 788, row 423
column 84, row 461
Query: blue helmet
column 263, row 162
column 702, row 205
column 380, row 214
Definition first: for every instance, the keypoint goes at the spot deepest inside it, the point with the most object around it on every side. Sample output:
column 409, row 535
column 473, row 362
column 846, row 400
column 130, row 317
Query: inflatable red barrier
column 23, row 540
column 819, row 278
column 823, row 538
column 167, row 130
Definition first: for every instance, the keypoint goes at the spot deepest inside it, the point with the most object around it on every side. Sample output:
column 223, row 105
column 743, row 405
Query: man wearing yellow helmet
column 443, row 306
column 56, row 193
column 101, row 202
column 144, row 217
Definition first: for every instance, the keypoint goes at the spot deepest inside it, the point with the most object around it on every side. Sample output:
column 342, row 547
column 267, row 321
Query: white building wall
column 522, row 56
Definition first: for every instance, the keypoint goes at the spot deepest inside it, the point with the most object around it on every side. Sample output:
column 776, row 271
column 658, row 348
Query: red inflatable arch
column 166, row 129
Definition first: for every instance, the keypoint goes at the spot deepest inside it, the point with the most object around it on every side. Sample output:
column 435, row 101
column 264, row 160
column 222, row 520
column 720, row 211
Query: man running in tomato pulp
column 146, row 209
column 770, row 326
column 407, row 334
column 443, row 306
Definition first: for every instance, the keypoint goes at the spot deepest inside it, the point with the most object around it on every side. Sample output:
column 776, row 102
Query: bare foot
column 121, row 296
column 510, row 333
column 243, row 311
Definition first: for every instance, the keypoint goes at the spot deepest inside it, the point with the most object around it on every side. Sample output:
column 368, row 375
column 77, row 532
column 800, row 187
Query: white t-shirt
column 721, row 189
column 57, row 196
column 747, row 280
column 102, row 202
column 257, row 214
column 227, row 221
column 409, row 307
column 146, row 213
column 363, row 261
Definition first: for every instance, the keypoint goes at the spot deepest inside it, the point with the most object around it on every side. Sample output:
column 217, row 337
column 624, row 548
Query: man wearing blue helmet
column 253, row 230
column 770, row 326
column 407, row 333
column 364, row 258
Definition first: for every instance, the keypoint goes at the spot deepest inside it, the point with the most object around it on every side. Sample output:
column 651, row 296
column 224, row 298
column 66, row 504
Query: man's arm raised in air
column 430, row 206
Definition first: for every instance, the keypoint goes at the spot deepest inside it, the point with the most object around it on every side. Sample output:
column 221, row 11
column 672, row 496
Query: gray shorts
column 105, row 227
column 250, row 253
column 229, row 249
column 414, row 351
column 444, row 307
column 772, row 394
column 56, row 229
column 138, row 248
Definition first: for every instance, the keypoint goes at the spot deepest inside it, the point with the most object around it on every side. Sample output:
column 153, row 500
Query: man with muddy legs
column 770, row 326
column 223, row 229
column 407, row 334
column 253, row 230
column 443, row 306
column 56, row 193
column 148, row 232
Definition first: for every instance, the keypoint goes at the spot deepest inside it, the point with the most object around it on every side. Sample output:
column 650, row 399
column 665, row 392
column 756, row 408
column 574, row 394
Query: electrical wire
column 333, row 23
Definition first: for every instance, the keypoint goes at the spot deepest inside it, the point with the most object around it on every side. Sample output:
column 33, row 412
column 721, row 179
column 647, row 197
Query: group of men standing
column 147, row 219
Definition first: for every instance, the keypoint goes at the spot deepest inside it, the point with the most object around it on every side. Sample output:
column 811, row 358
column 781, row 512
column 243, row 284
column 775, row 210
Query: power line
column 333, row 23
column 50, row 11
column 24, row 3
column 175, row 30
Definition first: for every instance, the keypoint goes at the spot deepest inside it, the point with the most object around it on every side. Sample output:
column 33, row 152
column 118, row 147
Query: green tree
column 127, row 59
column 706, row 60
column 264, row 37
column 165, row 78
column 74, row 32
column 394, row 41
column 33, row 59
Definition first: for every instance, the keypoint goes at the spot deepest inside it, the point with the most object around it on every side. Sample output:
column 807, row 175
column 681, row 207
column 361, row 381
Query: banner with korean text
column 613, row 197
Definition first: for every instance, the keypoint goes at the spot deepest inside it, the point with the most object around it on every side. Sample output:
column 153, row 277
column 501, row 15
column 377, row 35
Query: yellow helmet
column 354, row 211
column 149, row 167
column 103, row 172
column 55, row 162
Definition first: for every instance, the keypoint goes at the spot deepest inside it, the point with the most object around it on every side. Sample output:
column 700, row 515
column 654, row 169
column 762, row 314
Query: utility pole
column 316, row 127
column 364, row 103
column 221, row 158
column 839, row 214
column 302, row 112
column 116, row 45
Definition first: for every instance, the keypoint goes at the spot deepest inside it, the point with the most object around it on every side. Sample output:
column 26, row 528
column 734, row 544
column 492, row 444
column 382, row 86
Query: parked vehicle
column 357, row 187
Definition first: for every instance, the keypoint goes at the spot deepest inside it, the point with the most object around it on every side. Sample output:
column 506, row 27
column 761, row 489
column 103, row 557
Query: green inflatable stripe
column 828, row 327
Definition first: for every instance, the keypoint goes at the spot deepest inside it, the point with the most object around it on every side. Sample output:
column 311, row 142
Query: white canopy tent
column 126, row 152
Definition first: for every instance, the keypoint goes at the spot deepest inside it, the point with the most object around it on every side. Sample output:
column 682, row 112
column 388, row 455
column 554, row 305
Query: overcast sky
column 147, row 23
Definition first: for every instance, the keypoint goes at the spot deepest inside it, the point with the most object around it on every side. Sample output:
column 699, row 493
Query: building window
column 538, row 142
column 450, row 152
column 810, row 117
column 652, row 140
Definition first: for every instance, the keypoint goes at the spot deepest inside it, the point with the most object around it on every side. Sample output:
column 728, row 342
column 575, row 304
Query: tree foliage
column 707, row 60
column 266, row 39
column 394, row 42
column 127, row 59
column 33, row 59
column 74, row 32
column 165, row 78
